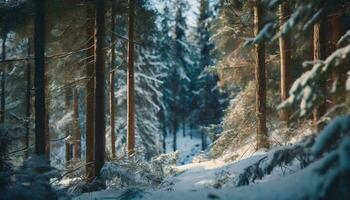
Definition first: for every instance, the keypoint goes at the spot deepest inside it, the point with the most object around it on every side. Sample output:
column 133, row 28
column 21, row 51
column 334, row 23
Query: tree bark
column 68, row 108
column 112, row 82
column 90, row 92
column 39, row 78
column 285, row 55
column 28, row 100
column 76, row 125
column 320, row 53
column 130, row 83
column 47, row 118
column 260, row 79
column 2, row 104
column 338, row 75
column 175, row 124
column 100, row 124
column 204, row 141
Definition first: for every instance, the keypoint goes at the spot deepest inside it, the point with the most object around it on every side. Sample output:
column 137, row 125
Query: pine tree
column 28, row 99
column 76, row 126
column 285, row 57
column 100, row 124
column 320, row 53
column 112, row 80
column 39, row 78
column 2, row 81
column 178, row 80
column 206, row 94
column 68, row 108
column 130, row 82
column 260, row 78
column 90, row 91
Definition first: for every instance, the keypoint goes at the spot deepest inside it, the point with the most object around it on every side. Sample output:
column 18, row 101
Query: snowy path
column 203, row 180
column 197, row 181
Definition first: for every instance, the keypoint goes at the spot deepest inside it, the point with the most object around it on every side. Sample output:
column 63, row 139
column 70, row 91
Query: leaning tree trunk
column 28, row 100
column 130, row 83
column 320, row 53
column 112, row 82
column 90, row 92
column 39, row 78
column 76, row 126
column 260, row 79
column 100, row 124
column 2, row 81
column 285, row 54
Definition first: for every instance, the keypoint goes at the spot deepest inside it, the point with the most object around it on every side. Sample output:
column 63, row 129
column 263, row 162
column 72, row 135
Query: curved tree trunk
column 260, row 79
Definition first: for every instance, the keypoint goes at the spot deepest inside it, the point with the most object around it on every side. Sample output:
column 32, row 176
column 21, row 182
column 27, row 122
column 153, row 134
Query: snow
column 197, row 181
column 187, row 147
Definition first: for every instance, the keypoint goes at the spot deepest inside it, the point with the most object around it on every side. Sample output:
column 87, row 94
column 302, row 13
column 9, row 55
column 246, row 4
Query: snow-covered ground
column 187, row 146
column 214, row 180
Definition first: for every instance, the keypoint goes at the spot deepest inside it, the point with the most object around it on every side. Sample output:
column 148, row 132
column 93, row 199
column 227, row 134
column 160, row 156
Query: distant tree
column 260, row 78
column 178, row 79
column 130, row 82
column 206, row 97
column 100, row 124
column 165, row 47
column 39, row 78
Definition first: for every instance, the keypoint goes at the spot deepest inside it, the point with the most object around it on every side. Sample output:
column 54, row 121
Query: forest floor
column 214, row 179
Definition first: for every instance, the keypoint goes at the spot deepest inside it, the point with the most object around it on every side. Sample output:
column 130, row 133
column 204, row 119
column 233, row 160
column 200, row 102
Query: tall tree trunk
column 338, row 75
column 76, row 125
column 68, row 108
column 260, row 79
column 112, row 82
column 285, row 54
column 39, row 78
column 47, row 118
column 130, row 82
column 100, row 124
column 164, row 122
column 90, row 92
column 175, row 126
column 183, row 116
column 204, row 141
column 28, row 100
column 320, row 53
column 2, row 103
